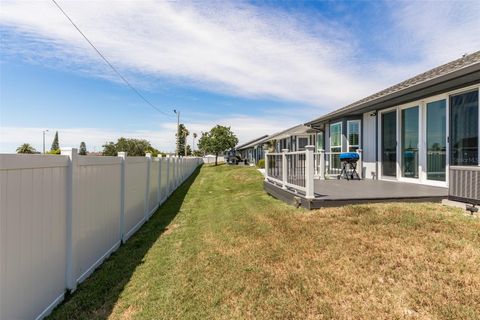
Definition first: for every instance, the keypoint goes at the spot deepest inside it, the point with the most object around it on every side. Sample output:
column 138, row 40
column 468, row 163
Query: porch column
column 309, row 172
column 266, row 165
column 321, row 164
column 360, row 163
column 284, row 169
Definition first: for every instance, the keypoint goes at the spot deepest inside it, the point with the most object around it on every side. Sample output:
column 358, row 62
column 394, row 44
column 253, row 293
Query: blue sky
column 257, row 67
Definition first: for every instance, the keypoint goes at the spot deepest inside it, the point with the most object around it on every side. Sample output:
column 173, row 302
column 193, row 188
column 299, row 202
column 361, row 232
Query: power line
column 108, row 62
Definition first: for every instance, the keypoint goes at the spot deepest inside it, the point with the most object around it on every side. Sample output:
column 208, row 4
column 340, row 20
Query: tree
column 83, row 149
column 182, row 135
column 55, row 143
column 217, row 140
column 133, row 147
column 193, row 143
column 26, row 148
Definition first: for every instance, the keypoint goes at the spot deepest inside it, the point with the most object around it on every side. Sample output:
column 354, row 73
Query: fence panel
column 172, row 174
column 153, row 190
column 32, row 234
column 164, row 179
column 135, row 191
column 96, row 212
column 60, row 217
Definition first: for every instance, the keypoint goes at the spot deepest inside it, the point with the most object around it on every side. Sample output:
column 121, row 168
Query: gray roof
column 467, row 64
column 250, row 143
column 295, row 130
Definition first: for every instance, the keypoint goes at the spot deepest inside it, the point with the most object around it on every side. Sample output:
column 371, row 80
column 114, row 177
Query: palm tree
column 26, row 148
column 193, row 144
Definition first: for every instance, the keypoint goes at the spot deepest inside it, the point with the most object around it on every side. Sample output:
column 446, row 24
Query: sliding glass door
column 409, row 142
column 389, row 144
column 436, row 136
column 464, row 129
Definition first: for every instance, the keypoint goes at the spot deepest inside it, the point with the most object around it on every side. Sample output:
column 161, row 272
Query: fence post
column 123, row 156
column 322, row 164
column 360, row 163
column 284, row 169
column 309, row 170
column 147, row 194
column 72, row 154
column 159, row 183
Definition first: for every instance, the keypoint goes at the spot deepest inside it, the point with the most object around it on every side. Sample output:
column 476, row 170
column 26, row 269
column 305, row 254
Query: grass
column 220, row 248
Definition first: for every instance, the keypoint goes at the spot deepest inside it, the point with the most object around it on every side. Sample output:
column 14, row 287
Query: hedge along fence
column 62, row 216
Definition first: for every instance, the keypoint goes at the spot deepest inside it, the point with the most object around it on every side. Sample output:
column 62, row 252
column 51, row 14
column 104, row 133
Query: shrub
column 261, row 164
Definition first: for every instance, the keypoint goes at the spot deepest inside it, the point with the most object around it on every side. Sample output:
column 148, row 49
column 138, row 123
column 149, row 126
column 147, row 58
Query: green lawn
column 220, row 248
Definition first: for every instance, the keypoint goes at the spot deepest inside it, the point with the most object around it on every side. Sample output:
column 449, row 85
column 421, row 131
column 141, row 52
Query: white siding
column 369, row 145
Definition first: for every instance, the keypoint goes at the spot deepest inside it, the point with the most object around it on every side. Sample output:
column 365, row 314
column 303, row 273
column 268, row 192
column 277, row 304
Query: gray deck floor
column 374, row 190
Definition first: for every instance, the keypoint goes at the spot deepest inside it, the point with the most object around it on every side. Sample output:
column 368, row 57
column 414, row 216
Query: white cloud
column 229, row 48
column 439, row 30
column 234, row 49
column 240, row 49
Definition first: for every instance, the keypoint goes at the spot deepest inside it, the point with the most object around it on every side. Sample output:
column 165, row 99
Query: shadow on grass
column 96, row 296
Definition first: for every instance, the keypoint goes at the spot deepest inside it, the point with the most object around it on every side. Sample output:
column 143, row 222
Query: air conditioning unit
column 464, row 184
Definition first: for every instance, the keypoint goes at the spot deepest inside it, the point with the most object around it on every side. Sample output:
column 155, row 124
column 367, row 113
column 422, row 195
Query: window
column 320, row 142
column 464, row 129
column 353, row 135
column 302, row 142
column 410, row 138
column 336, row 137
column 335, row 145
column 436, row 140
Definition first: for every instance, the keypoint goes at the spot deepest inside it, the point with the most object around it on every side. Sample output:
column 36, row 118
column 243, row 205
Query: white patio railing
column 291, row 170
column 328, row 164
column 297, row 171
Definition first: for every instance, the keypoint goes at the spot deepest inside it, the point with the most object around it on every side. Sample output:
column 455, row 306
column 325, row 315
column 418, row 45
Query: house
column 252, row 150
column 293, row 139
column 413, row 131
column 417, row 141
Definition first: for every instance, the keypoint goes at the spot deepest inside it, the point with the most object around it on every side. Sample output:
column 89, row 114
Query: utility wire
column 108, row 62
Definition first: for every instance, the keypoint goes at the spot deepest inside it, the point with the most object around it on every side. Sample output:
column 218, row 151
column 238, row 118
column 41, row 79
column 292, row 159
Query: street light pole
column 44, row 140
column 178, row 128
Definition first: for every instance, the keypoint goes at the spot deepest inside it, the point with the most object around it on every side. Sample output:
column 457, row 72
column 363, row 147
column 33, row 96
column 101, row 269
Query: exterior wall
column 369, row 147
column 62, row 215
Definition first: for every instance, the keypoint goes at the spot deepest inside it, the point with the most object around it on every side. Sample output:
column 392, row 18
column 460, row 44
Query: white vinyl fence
column 62, row 216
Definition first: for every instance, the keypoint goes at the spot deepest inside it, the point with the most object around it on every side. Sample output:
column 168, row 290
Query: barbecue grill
column 349, row 165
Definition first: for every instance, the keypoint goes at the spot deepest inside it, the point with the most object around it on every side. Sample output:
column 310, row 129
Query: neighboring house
column 294, row 139
column 412, row 131
column 252, row 150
